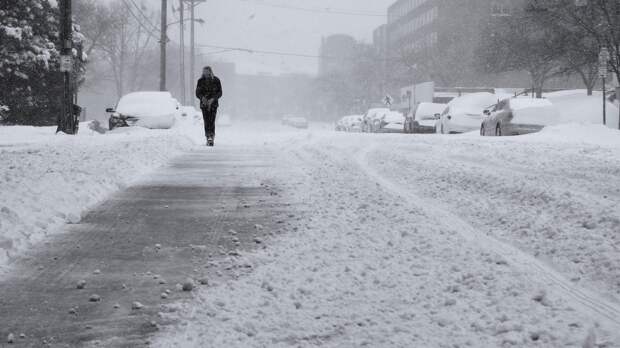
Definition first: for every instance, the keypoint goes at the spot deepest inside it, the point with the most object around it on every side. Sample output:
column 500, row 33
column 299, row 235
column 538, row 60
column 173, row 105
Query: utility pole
column 182, row 51
column 603, row 59
column 192, row 58
column 192, row 50
column 163, row 42
column 67, row 121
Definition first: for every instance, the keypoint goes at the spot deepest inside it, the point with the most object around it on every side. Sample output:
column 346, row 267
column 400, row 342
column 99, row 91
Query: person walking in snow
column 209, row 91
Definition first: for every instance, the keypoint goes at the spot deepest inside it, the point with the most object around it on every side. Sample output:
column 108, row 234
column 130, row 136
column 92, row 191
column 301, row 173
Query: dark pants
column 209, row 119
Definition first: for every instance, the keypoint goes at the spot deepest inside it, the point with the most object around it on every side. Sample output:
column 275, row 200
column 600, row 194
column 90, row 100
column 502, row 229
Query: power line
column 286, row 54
column 248, row 50
column 148, row 30
column 318, row 10
column 146, row 18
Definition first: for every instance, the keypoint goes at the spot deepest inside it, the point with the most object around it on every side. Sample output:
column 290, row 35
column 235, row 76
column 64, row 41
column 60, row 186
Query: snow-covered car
column 298, row 122
column 464, row 114
column 350, row 123
column 392, row 122
column 516, row 116
column 355, row 124
column 154, row 110
column 371, row 121
column 423, row 119
column 340, row 125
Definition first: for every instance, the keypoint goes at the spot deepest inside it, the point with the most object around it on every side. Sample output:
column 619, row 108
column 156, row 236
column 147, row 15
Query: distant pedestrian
column 209, row 91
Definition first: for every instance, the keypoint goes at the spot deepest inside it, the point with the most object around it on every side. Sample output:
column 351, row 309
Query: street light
column 197, row 20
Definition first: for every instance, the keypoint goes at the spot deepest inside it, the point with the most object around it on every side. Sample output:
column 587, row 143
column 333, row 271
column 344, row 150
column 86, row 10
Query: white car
column 392, row 122
column 516, row 116
column 465, row 114
column 423, row 119
column 372, row 120
column 154, row 110
column 349, row 123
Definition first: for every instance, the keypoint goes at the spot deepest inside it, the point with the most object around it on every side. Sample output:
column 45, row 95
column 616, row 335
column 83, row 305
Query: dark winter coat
column 210, row 88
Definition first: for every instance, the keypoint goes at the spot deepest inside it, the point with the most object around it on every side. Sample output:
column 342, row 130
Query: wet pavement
column 142, row 241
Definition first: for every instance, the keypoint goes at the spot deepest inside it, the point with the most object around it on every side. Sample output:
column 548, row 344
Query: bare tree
column 529, row 40
column 599, row 19
column 125, row 48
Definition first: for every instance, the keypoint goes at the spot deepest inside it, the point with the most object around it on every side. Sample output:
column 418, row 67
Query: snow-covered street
column 326, row 173
column 358, row 239
column 430, row 241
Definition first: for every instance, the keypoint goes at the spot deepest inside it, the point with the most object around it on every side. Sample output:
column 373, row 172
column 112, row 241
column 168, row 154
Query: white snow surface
column 577, row 106
column 428, row 241
column 48, row 180
column 398, row 240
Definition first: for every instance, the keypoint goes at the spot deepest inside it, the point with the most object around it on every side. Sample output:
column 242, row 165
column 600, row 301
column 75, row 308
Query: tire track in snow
column 605, row 312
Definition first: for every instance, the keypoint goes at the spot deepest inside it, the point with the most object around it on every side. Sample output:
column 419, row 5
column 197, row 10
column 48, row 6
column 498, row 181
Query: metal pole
column 66, row 122
column 192, row 54
column 618, row 101
column 182, row 51
column 162, row 43
column 604, row 103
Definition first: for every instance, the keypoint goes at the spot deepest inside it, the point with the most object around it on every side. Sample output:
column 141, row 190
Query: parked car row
column 491, row 114
column 376, row 120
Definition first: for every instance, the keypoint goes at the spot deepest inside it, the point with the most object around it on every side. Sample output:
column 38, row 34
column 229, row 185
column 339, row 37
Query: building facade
column 336, row 52
column 441, row 37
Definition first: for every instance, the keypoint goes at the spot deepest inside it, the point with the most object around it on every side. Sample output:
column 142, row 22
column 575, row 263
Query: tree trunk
column 538, row 82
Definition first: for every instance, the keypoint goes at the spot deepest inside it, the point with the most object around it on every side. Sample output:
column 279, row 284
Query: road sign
column 603, row 61
column 66, row 63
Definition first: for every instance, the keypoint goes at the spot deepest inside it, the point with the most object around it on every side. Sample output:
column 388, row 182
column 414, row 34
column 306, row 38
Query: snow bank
column 576, row 133
column 577, row 106
column 47, row 180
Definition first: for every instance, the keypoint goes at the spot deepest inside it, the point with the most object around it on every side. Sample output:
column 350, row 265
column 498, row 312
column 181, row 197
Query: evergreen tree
column 29, row 61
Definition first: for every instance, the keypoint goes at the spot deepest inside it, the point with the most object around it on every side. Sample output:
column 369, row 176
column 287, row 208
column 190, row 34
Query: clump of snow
column 473, row 103
column 14, row 32
column 534, row 111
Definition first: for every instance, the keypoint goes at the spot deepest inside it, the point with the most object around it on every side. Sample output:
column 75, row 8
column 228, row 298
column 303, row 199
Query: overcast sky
column 262, row 25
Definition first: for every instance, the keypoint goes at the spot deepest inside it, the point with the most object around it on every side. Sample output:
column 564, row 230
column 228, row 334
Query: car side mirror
column 487, row 112
column 110, row 110
column 437, row 116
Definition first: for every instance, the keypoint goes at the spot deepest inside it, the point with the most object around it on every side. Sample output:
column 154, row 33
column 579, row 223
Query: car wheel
column 482, row 130
column 443, row 131
column 498, row 130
